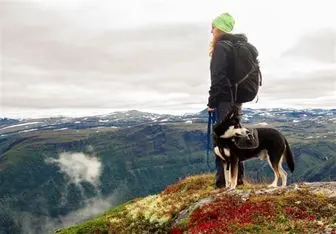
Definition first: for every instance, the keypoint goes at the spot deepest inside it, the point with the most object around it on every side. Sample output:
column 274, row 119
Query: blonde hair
column 216, row 35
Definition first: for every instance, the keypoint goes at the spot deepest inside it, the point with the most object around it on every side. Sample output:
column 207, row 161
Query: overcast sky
column 84, row 57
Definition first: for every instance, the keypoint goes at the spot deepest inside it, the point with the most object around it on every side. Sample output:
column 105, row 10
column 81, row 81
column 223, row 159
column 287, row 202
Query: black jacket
column 221, row 70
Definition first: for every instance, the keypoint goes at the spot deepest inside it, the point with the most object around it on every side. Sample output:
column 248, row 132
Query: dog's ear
column 231, row 115
column 234, row 112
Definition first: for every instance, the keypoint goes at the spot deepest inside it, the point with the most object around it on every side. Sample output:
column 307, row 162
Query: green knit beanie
column 224, row 22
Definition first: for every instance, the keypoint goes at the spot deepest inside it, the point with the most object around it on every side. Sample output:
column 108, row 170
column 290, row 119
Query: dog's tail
column 289, row 157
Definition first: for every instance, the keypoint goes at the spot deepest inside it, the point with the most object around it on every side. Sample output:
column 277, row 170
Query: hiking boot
column 240, row 174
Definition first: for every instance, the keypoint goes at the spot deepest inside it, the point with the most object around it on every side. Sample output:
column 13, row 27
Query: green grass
column 95, row 225
column 281, row 212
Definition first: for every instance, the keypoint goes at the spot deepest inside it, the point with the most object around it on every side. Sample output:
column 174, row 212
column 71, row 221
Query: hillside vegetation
column 193, row 206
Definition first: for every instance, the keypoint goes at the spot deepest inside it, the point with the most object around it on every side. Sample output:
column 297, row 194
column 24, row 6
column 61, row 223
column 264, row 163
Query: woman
column 220, row 94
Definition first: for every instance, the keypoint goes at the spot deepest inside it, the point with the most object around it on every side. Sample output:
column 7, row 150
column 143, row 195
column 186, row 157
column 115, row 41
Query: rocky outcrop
column 327, row 189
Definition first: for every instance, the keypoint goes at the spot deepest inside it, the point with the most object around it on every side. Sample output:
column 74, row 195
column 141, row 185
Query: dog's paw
column 232, row 188
column 272, row 186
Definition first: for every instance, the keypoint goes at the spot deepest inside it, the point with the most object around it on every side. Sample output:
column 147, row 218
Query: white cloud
column 79, row 167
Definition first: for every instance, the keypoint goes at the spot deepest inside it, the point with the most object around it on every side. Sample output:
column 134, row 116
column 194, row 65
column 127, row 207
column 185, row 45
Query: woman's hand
column 211, row 109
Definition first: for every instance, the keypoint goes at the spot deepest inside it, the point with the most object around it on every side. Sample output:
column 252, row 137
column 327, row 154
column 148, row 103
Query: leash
column 211, row 121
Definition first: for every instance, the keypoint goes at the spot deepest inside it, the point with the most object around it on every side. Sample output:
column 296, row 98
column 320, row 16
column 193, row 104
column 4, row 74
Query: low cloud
column 79, row 167
column 31, row 224
column 93, row 207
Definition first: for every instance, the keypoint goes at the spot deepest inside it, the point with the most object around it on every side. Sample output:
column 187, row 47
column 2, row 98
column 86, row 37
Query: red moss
column 176, row 230
column 228, row 211
column 296, row 213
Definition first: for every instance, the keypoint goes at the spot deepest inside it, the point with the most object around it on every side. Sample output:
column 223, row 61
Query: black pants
column 221, row 112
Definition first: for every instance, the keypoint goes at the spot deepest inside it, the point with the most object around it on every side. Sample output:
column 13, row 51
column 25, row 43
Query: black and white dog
column 272, row 147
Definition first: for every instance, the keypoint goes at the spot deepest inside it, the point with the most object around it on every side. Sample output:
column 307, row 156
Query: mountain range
column 56, row 172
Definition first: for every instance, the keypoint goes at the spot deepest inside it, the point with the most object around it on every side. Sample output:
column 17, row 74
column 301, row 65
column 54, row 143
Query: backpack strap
column 260, row 76
column 233, row 93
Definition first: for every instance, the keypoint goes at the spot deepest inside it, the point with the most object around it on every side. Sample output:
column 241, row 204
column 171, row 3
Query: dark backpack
column 246, row 76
